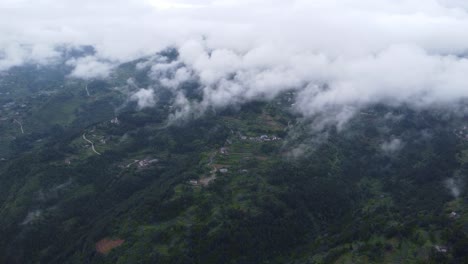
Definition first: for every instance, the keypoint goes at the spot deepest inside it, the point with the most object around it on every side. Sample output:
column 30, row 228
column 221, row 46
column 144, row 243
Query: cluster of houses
column 205, row 181
column 262, row 138
column 11, row 113
column 115, row 121
column 13, row 105
column 141, row 164
column 8, row 106
column 7, row 109
column 224, row 151
column 146, row 162
column 441, row 249
column 454, row 215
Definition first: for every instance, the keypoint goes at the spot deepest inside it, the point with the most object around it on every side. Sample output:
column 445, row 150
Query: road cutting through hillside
column 87, row 91
column 20, row 125
column 92, row 144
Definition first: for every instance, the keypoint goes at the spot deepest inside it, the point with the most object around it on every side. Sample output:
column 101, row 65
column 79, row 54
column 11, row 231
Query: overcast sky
column 367, row 51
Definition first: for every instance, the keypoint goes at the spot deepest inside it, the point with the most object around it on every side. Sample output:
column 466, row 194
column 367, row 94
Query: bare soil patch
column 104, row 246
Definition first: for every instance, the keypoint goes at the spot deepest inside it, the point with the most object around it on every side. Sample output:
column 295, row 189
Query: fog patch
column 392, row 146
column 394, row 117
column 455, row 186
column 90, row 67
column 32, row 216
column 144, row 98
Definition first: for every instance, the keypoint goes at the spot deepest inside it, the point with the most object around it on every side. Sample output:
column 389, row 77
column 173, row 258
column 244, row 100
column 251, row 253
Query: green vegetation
column 248, row 185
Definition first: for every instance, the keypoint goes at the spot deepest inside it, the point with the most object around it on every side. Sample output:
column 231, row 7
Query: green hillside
column 249, row 184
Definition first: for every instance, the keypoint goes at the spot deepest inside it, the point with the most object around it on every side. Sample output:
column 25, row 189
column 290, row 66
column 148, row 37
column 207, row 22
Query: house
column 146, row 162
column 115, row 121
column 453, row 215
column 223, row 151
column 441, row 249
column 193, row 182
column 223, row 170
column 143, row 163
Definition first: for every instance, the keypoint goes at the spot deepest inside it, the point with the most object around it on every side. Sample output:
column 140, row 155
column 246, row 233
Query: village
column 141, row 164
column 262, row 138
column 215, row 161
column 10, row 111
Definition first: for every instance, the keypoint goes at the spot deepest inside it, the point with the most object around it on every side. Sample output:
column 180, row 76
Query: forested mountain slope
column 92, row 178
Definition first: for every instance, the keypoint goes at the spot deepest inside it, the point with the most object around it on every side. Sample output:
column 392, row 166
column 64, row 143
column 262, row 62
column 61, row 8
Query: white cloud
column 144, row 98
column 90, row 67
column 455, row 186
column 392, row 146
column 366, row 51
column 171, row 4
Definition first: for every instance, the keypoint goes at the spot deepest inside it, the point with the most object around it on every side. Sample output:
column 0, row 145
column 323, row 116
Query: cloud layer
column 338, row 56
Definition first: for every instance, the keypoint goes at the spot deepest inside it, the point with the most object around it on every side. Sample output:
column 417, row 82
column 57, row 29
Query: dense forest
column 95, row 179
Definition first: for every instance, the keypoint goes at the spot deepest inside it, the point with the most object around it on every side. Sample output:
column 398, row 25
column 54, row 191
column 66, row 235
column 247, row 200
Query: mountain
column 87, row 175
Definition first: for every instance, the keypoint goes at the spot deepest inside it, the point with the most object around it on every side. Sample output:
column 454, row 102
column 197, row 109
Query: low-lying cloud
column 144, row 98
column 89, row 67
column 392, row 146
column 454, row 185
column 339, row 56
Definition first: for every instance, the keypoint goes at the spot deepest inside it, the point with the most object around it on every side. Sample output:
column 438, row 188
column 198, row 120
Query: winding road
column 92, row 144
column 21, row 125
column 87, row 91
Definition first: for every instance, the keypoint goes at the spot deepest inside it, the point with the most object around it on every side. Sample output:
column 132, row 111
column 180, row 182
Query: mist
column 339, row 56
column 454, row 185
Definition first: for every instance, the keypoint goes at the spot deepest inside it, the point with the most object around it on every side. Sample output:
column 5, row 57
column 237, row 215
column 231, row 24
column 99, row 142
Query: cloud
column 169, row 74
column 454, row 185
column 90, row 67
column 165, row 4
column 144, row 98
column 339, row 56
column 392, row 146
column 14, row 54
